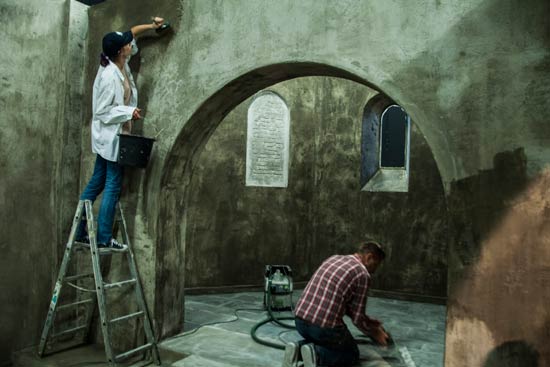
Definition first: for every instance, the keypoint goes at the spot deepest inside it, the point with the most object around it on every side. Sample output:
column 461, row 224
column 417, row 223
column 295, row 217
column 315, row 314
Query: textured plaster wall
column 499, row 274
column 322, row 211
column 473, row 75
column 33, row 143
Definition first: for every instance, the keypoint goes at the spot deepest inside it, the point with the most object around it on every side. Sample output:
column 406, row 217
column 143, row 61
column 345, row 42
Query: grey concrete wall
column 234, row 230
column 33, row 142
column 472, row 74
column 70, row 131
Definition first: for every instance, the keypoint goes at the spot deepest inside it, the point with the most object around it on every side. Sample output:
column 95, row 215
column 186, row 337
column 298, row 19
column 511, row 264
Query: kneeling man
column 339, row 287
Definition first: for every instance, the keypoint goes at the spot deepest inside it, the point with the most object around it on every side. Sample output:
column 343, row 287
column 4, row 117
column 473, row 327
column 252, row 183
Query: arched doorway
column 178, row 171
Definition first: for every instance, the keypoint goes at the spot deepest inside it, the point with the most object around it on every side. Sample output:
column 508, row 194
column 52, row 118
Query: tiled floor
column 224, row 339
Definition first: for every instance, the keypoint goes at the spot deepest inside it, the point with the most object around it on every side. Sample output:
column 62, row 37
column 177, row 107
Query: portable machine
column 278, row 288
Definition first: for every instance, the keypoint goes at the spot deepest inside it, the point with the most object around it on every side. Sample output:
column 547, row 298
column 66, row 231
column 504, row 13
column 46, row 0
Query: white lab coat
column 109, row 111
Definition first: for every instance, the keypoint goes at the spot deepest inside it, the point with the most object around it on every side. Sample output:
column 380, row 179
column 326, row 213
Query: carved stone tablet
column 267, row 143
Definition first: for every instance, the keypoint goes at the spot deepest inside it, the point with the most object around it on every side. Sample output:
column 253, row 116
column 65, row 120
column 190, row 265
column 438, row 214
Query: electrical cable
column 215, row 323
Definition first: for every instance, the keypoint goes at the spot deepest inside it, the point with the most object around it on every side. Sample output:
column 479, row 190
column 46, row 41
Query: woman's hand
column 157, row 22
column 136, row 115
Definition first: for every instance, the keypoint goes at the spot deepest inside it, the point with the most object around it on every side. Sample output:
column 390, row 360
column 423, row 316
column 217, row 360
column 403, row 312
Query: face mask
column 134, row 48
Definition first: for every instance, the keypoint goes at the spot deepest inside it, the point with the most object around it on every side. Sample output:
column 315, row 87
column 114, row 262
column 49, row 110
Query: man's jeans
column 333, row 346
column 107, row 177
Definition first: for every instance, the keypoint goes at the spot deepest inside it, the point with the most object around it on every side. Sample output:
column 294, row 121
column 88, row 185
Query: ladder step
column 70, row 331
column 127, row 317
column 75, row 304
column 119, row 284
column 78, row 276
column 130, row 353
column 101, row 250
column 109, row 251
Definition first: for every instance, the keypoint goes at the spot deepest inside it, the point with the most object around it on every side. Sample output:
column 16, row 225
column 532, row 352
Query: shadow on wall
column 478, row 208
column 513, row 354
column 500, row 273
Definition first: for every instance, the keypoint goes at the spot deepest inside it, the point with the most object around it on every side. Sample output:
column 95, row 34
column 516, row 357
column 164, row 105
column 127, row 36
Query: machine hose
column 271, row 318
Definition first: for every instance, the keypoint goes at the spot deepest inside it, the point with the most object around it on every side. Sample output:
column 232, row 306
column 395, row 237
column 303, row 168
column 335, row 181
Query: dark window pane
column 394, row 137
column 91, row 2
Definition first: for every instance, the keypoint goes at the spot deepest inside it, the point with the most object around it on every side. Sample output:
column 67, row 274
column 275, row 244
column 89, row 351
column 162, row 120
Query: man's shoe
column 292, row 355
column 113, row 245
column 308, row 355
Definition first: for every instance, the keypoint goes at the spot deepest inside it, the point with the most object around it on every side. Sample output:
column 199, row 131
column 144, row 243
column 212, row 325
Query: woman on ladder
column 114, row 108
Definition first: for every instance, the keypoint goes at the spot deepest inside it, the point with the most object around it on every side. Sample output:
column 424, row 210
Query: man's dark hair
column 372, row 247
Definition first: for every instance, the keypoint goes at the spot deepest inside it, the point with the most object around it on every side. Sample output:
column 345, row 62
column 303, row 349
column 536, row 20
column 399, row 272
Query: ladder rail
column 100, row 290
column 60, row 279
column 140, row 297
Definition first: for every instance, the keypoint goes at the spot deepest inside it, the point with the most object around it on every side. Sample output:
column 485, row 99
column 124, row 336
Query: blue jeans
column 333, row 346
column 107, row 177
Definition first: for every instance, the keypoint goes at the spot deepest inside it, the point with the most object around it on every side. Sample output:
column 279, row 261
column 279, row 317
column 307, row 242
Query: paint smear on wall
column 472, row 341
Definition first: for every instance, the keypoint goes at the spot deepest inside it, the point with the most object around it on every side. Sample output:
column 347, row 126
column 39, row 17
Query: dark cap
column 114, row 41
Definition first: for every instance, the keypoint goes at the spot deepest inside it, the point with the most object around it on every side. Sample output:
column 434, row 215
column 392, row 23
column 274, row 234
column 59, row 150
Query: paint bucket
column 134, row 150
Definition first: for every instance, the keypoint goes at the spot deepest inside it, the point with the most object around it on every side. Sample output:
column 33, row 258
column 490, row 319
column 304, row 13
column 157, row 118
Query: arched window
column 394, row 138
column 385, row 146
column 267, row 141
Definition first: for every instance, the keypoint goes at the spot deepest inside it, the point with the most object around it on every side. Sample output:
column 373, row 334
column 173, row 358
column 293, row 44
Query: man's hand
column 136, row 115
column 380, row 336
column 373, row 323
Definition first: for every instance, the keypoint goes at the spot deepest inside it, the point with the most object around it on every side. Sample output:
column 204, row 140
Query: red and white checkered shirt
column 339, row 287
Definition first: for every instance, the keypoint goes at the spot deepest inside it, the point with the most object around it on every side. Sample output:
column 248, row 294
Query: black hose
column 276, row 320
column 271, row 318
column 264, row 342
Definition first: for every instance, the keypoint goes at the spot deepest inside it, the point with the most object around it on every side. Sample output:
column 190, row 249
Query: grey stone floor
column 223, row 339
column 215, row 337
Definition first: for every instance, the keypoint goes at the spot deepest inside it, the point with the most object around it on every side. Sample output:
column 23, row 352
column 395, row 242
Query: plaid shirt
column 339, row 287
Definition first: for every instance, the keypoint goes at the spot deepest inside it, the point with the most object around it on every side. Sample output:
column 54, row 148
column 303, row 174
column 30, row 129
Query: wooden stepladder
column 82, row 308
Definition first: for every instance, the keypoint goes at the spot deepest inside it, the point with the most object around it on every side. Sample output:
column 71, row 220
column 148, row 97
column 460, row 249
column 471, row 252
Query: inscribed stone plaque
column 267, row 143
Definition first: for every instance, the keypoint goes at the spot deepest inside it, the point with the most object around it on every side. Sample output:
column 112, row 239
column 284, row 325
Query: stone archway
column 178, row 171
